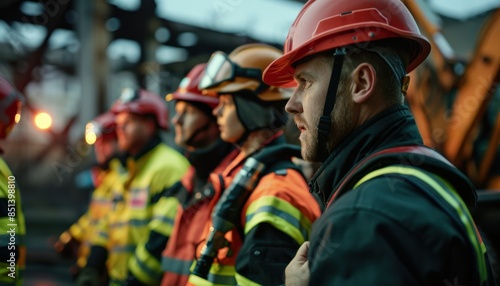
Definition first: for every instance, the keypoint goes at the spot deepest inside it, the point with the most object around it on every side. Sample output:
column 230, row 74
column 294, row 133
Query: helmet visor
column 221, row 69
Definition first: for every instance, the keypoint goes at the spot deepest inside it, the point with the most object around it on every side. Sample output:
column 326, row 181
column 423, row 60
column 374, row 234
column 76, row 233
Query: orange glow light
column 43, row 120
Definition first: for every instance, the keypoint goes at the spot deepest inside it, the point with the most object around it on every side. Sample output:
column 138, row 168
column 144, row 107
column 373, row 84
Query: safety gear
column 101, row 203
column 225, row 216
column 145, row 265
column 239, row 74
column 142, row 102
column 379, row 204
column 13, row 227
column 278, row 200
column 127, row 225
column 10, row 107
column 188, row 89
column 242, row 70
column 326, row 25
column 103, row 126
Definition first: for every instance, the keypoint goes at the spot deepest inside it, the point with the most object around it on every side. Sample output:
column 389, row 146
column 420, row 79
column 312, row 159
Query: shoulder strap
column 280, row 168
column 396, row 155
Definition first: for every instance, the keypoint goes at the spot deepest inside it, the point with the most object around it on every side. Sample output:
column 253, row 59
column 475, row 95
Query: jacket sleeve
column 261, row 259
column 78, row 228
column 145, row 264
column 365, row 247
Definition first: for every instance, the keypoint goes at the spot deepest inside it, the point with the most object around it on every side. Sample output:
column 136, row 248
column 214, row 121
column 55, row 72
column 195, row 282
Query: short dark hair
column 389, row 85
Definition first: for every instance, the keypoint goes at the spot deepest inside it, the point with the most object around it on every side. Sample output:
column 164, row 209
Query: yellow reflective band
column 452, row 198
column 279, row 213
column 242, row 280
column 219, row 275
column 145, row 267
column 164, row 214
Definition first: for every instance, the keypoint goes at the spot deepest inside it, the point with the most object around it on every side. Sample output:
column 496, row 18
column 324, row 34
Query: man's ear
column 363, row 82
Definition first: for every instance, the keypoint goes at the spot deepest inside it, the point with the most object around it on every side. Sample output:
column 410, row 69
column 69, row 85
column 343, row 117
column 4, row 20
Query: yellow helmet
column 242, row 70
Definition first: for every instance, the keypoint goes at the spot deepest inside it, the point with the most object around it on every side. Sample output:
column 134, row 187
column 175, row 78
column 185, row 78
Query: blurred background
column 71, row 59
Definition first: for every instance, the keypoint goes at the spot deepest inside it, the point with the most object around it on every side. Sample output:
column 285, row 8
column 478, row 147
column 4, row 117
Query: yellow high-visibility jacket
column 126, row 225
column 100, row 204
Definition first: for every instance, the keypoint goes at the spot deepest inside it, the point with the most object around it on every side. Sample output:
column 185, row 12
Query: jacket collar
column 205, row 160
column 276, row 139
column 150, row 145
column 393, row 127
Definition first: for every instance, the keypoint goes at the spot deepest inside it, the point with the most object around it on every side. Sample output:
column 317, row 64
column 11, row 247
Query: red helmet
column 103, row 126
column 325, row 25
column 188, row 89
column 142, row 102
column 10, row 105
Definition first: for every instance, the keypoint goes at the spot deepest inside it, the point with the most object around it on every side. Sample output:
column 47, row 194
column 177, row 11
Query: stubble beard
column 341, row 127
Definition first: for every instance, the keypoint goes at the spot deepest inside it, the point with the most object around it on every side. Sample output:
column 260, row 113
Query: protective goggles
column 221, row 69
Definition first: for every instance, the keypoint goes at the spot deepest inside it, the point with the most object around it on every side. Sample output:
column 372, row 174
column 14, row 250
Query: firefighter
column 197, row 132
column 75, row 242
column 396, row 211
column 152, row 166
column 13, row 227
column 277, row 216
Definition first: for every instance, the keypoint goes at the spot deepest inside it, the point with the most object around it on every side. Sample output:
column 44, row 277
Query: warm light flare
column 90, row 138
column 43, row 120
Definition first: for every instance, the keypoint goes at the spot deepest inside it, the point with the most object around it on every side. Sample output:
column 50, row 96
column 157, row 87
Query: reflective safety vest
column 280, row 199
column 126, row 225
column 100, row 204
column 445, row 195
column 13, row 229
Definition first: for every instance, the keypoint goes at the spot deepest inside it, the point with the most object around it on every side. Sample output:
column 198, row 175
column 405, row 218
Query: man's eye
column 304, row 83
column 307, row 84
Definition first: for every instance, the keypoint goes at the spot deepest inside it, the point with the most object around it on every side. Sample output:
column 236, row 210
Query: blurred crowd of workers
column 236, row 208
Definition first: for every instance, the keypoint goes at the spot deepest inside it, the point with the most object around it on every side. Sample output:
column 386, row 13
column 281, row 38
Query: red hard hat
column 103, row 126
column 188, row 89
column 325, row 25
column 10, row 105
column 142, row 102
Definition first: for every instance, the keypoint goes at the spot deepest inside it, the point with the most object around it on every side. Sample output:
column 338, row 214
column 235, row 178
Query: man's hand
column 297, row 272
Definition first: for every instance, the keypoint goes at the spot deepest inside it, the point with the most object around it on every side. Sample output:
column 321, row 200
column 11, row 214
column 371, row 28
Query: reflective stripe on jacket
column 280, row 199
column 126, row 226
column 448, row 199
column 100, row 204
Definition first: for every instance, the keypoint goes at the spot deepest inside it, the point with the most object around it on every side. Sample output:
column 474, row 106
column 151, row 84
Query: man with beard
column 396, row 212
column 196, row 130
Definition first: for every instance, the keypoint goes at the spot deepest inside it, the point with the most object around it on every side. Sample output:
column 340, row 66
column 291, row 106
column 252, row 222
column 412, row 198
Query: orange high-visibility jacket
column 281, row 200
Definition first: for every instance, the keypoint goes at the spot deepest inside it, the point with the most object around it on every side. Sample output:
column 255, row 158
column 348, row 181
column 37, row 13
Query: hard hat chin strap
column 324, row 124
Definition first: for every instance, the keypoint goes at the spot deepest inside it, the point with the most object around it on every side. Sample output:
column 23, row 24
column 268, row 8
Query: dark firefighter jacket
column 404, row 226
